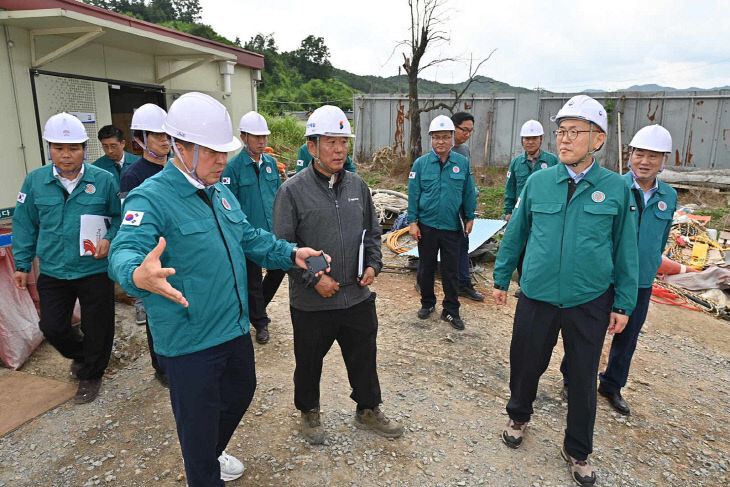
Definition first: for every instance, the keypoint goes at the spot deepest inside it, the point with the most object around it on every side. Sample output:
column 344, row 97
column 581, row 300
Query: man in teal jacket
column 575, row 223
column 51, row 205
column 253, row 177
column 304, row 158
column 115, row 158
column 655, row 202
column 441, row 204
column 531, row 160
column 182, row 247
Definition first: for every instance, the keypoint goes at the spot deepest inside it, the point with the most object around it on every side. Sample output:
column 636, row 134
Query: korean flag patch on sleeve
column 133, row 218
column 300, row 162
column 226, row 180
column 21, row 197
column 412, row 175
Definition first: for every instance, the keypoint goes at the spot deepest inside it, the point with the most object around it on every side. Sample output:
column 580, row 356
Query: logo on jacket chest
column 662, row 206
column 268, row 170
column 456, row 169
column 543, row 165
column 598, row 196
column 226, row 204
column 90, row 189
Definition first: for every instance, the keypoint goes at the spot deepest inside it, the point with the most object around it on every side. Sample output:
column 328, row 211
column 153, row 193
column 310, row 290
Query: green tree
column 155, row 11
column 312, row 58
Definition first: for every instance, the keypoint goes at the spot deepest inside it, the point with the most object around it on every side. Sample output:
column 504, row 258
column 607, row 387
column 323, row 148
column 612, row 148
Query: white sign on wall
column 85, row 117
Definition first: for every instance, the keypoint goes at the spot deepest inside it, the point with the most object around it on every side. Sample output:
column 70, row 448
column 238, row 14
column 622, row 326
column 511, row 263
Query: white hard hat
column 654, row 138
column 149, row 117
column 531, row 128
column 328, row 120
column 442, row 122
column 200, row 119
column 64, row 128
column 583, row 107
column 254, row 123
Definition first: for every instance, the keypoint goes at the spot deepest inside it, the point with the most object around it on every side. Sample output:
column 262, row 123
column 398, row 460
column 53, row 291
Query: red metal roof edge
column 243, row 57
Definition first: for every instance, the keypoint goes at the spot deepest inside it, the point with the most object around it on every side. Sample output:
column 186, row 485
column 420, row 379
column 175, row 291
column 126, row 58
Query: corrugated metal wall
column 699, row 122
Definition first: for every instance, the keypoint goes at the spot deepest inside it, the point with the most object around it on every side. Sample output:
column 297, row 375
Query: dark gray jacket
column 308, row 212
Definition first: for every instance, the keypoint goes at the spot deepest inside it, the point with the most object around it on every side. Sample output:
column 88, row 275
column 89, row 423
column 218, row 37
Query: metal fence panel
column 699, row 122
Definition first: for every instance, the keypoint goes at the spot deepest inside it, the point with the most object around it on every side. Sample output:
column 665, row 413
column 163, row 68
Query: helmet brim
column 234, row 144
column 259, row 132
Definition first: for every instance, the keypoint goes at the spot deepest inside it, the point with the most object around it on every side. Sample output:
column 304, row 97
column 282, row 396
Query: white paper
column 361, row 256
column 93, row 229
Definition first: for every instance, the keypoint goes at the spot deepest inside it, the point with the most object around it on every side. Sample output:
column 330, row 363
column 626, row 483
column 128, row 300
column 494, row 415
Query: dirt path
column 449, row 389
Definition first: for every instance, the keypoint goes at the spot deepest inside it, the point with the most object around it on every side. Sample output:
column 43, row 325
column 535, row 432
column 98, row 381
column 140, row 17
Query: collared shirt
column 647, row 194
column 69, row 184
column 577, row 177
column 532, row 162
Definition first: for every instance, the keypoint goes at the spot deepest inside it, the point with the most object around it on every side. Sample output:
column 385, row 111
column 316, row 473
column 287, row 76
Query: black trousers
column 261, row 292
column 534, row 336
column 153, row 356
column 210, row 390
column 448, row 242
column 623, row 345
column 96, row 297
column 356, row 330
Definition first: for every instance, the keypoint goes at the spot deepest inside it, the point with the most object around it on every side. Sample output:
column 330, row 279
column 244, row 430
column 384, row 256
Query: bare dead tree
column 427, row 32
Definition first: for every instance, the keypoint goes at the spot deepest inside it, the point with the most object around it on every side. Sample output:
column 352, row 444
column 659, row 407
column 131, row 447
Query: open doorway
column 124, row 99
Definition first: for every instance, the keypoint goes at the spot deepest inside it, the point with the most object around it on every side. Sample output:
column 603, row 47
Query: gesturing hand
column 152, row 277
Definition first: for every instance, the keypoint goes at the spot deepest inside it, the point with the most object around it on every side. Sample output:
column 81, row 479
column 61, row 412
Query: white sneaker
column 231, row 467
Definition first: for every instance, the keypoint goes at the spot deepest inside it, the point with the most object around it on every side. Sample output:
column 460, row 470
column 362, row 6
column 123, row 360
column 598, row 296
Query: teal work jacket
column 255, row 192
column 107, row 164
column 436, row 195
column 517, row 174
column 304, row 158
column 47, row 221
column 573, row 251
column 653, row 222
column 206, row 246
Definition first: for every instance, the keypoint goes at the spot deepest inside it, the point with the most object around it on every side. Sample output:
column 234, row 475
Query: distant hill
column 378, row 84
column 655, row 87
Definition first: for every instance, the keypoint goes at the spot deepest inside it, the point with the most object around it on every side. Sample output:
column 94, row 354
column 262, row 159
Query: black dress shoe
column 424, row 312
column 262, row 335
column 616, row 401
column 87, row 391
column 471, row 293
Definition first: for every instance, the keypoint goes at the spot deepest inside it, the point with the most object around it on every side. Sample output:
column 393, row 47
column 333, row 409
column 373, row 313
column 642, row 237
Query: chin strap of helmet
column 590, row 152
column 143, row 144
column 58, row 169
column 665, row 158
column 193, row 174
column 322, row 167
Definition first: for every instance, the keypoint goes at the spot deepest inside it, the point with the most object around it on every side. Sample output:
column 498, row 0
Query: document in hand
column 93, row 229
column 361, row 256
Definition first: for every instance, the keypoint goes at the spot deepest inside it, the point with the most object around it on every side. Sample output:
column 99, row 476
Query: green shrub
column 490, row 201
column 287, row 135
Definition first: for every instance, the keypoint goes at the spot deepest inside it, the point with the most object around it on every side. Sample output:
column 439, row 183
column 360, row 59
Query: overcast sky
column 557, row 45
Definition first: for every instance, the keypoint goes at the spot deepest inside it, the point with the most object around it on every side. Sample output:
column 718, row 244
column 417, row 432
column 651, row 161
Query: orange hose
column 664, row 296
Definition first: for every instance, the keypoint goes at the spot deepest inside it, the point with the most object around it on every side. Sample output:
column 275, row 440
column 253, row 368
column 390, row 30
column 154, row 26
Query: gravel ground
column 448, row 388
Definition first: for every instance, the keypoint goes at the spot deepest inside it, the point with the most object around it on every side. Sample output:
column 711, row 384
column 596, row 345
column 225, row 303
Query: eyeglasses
column 441, row 138
column 465, row 130
column 572, row 134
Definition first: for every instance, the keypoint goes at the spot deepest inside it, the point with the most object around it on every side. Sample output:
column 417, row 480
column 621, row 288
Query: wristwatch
column 294, row 251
